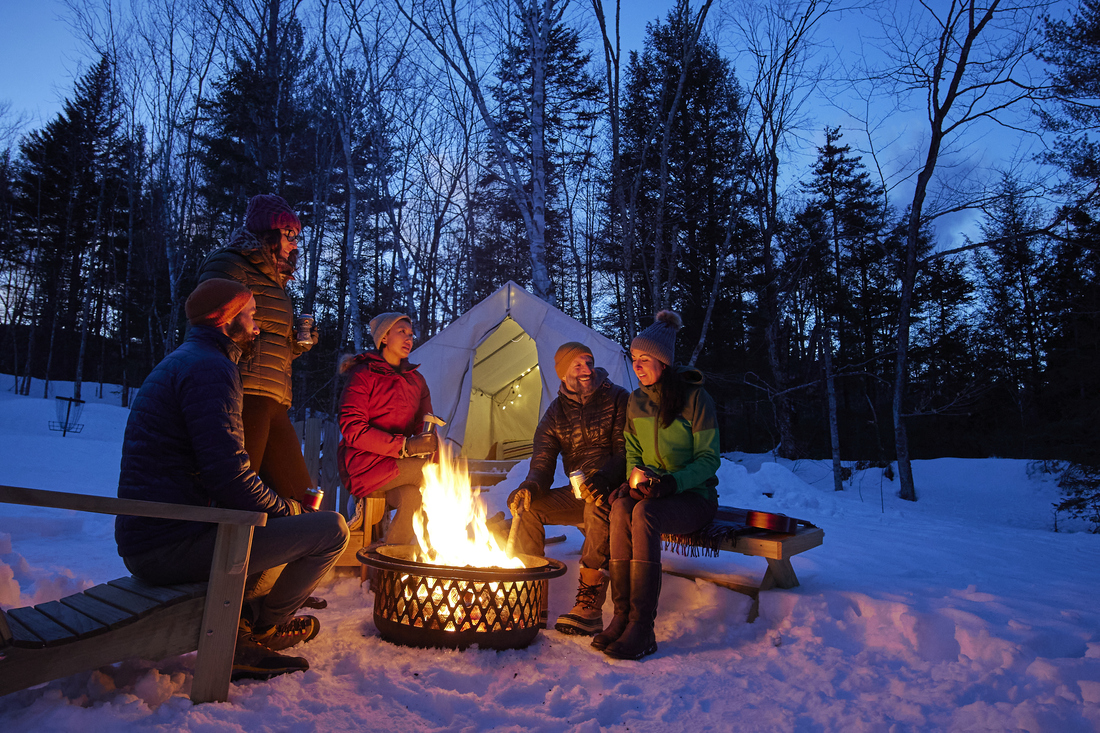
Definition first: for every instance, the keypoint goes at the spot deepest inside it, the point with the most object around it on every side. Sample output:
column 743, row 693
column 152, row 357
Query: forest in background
column 435, row 150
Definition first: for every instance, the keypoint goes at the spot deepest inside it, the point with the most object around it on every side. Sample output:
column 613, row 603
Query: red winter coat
column 380, row 407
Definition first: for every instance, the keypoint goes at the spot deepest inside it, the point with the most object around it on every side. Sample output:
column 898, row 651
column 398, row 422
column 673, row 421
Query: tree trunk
column 834, row 423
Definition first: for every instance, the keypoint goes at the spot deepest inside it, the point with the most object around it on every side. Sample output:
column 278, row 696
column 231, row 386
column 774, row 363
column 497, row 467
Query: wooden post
column 224, row 596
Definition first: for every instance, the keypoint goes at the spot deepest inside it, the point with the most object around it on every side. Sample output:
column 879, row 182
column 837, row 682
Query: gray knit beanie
column 381, row 324
column 659, row 340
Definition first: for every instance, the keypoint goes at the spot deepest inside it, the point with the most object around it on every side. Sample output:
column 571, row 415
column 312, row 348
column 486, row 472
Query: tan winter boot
column 586, row 617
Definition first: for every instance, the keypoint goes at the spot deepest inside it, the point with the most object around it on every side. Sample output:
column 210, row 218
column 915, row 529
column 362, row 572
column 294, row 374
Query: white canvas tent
column 484, row 371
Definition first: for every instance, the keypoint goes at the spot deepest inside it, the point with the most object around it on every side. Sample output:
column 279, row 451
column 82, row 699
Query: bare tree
column 967, row 61
column 338, row 21
column 778, row 40
column 449, row 27
column 180, row 49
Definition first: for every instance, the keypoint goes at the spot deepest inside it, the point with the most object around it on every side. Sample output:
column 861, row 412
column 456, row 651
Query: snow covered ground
column 963, row 611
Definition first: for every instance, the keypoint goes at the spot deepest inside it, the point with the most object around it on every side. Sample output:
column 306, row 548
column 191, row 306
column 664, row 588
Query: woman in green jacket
column 672, row 455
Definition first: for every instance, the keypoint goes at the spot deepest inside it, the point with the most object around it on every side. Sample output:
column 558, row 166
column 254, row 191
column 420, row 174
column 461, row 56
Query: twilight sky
column 41, row 57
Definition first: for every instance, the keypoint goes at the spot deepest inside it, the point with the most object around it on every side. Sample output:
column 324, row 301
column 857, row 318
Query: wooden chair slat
column 166, row 620
column 21, row 636
column 163, row 594
column 41, row 625
column 100, row 611
column 80, row 625
column 130, row 602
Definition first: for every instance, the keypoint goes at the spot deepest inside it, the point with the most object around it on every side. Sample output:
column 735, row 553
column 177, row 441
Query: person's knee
column 333, row 527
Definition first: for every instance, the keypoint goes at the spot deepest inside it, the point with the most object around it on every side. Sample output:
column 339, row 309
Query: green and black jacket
column 688, row 448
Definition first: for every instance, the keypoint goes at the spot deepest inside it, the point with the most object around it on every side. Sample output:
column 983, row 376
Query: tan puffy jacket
column 267, row 374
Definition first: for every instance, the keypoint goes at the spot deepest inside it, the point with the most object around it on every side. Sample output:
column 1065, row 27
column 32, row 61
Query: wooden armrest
column 133, row 507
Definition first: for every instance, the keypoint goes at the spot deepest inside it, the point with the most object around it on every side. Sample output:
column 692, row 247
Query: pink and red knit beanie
column 268, row 211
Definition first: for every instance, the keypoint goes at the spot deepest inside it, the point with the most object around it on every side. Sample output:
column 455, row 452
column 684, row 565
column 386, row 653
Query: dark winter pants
column 637, row 526
column 273, row 448
column 308, row 545
column 559, row 506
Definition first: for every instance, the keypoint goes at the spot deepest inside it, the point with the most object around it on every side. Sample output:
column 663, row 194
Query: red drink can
column 312, row 499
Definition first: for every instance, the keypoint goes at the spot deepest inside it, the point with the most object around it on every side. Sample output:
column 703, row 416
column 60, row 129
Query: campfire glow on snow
column 457, row 586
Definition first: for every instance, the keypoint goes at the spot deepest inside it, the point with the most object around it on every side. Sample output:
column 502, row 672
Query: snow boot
column 637, row 639
column 586, row 618
column 620, row 601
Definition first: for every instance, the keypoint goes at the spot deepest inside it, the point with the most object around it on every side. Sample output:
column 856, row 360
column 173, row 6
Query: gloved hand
column 658, row 488
column 521, row 497
column 618, row 493
column 595, row 490
column 294, row 507
column 422, row 444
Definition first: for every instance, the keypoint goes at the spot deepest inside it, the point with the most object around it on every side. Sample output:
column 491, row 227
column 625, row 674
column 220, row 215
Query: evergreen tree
column 1072, row 385
column 254, row 140
column 693, row 248
column 1011, row 331
column 69, row 212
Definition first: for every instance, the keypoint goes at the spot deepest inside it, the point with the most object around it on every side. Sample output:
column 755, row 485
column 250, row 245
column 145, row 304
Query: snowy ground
column 962, row 611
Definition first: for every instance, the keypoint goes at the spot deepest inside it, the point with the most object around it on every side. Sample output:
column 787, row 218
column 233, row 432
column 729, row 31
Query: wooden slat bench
column 127, row 618
column 776, row 548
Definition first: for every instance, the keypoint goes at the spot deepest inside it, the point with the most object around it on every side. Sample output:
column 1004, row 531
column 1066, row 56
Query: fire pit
column 418, row 604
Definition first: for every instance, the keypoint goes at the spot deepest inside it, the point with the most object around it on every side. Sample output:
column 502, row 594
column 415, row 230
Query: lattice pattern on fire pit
column 434, row 605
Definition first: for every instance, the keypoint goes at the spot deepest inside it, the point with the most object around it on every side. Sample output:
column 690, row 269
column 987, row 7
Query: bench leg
column 780, row 574
column 224, row 595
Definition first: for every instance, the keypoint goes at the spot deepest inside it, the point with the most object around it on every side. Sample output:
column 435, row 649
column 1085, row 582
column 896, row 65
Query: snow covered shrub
column 1080, row 485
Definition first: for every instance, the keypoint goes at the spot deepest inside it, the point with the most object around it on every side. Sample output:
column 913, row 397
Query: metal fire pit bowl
column 416, row 604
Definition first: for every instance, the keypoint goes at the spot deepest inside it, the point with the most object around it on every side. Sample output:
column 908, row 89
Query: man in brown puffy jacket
column 263, row 255
column 584, row 425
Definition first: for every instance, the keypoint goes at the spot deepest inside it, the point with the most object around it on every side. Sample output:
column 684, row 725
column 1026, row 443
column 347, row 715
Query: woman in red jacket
column 382, row 411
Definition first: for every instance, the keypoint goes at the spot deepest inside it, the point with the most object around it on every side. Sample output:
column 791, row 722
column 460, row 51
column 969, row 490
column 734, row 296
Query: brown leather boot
column 586, row 617
column 620, row 601
column 637, row 639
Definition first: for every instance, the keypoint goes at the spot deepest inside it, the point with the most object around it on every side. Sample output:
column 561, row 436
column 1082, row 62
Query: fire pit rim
column 551, row 569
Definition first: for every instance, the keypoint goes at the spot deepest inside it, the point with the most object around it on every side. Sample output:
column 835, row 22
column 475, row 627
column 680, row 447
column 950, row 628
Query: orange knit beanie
column 216, row 301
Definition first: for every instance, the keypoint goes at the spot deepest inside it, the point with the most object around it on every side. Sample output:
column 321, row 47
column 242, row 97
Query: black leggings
column 273, row 448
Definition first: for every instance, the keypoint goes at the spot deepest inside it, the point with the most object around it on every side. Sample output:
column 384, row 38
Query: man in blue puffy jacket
column 184, row 444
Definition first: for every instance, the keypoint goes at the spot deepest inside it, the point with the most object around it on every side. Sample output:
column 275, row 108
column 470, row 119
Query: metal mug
column 576, row 478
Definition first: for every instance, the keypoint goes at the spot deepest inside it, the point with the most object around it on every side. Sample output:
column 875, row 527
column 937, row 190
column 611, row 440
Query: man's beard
column 579, row 388
column 243, row 338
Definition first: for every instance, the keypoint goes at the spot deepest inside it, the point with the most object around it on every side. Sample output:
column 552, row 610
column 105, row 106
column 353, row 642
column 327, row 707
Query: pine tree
column 254, row 139
column 70, row 214
column 693, row 240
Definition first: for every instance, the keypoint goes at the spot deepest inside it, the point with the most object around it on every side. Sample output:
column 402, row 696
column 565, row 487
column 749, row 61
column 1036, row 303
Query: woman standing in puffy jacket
column 263, row 255
column 672, row 455
column 382, row 410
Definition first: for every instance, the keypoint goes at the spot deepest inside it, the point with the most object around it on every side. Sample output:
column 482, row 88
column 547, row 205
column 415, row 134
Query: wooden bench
column 776, row 548
column 127, row 618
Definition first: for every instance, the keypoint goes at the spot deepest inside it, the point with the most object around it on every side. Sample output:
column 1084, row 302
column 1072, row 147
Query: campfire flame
column 450, row 527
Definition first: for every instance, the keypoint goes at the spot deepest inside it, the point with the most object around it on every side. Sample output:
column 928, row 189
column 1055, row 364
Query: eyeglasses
column 292, row 236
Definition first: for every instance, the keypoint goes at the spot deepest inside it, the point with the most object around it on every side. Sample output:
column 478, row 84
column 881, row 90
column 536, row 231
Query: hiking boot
column 254, row 662
column 295, row 631
column 586, row 617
